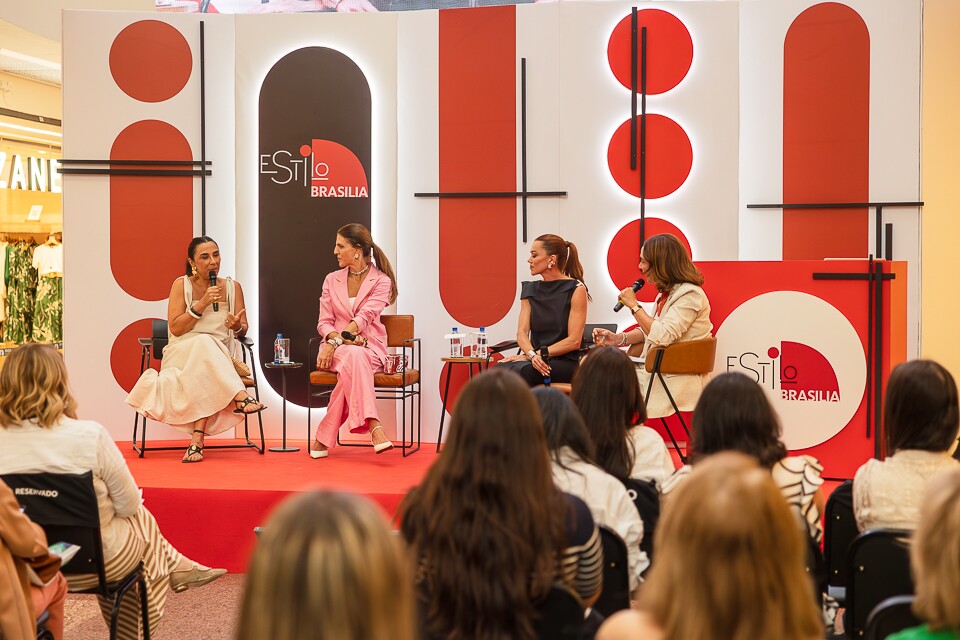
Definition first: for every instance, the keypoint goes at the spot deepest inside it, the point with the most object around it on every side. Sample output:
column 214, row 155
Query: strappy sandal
column 246, row 402
column 194, row 450
column 380, row 447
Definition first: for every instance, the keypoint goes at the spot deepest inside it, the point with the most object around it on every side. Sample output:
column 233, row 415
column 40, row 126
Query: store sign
column 28, row 173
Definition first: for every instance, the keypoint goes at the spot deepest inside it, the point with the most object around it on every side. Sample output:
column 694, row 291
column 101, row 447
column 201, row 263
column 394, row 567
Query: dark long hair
column 359, row 236
column 920, row 407
column 607, row 392
column 487, row 523
column 192, row 249
column 563, row 425
column 568, row 260
column 670, row 264
column 733, row 414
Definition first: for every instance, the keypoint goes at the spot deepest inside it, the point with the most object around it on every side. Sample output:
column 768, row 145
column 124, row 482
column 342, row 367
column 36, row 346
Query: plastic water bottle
column 278, row 350
column 481, row 350
column 456, row 345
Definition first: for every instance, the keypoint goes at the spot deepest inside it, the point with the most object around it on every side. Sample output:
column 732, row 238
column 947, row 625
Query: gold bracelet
column 624, row 341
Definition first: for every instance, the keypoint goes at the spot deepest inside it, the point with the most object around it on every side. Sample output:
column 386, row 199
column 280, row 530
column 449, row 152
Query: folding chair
column 878, row 567
column 65, row 506
column 693, row 357
column 152, row 348
column 399, row 387
column 616, row 574
column 839, row 530
column 890, row 616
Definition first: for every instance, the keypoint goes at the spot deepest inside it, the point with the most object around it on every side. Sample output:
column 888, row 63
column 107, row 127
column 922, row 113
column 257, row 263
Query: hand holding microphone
column 636, row 286
column 360, row 341
column 213, row 283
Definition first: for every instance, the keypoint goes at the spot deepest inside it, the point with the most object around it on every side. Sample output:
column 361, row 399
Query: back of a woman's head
column 920, row 407
column 935, row 553
column 34, row 386
column 729, row 549
column 608, row 395
column 486, row 522
column 562, row 423
column 327, row 566
column 734, row 414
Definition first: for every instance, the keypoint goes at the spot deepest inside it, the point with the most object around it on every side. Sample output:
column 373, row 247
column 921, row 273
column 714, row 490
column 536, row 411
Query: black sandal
column 193, row 450
column 246, row 402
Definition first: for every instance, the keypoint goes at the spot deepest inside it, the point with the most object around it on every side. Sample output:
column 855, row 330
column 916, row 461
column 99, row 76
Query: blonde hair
column 729, row 549
column 33, row 386
column 935, row 554
column 327, row 567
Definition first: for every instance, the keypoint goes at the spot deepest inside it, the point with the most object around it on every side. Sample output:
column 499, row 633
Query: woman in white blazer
column 682, row 313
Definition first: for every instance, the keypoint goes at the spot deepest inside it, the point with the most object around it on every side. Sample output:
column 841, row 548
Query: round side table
column 283, row 366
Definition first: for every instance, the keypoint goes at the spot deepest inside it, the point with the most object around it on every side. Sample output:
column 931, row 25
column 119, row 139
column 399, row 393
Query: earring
column 551, row 265
column 194, row 269
column 356, row 256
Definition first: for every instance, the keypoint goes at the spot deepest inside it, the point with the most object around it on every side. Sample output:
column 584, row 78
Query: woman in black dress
column 552, row 314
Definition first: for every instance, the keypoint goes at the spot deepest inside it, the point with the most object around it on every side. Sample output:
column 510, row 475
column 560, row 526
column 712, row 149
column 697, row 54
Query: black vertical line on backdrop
column 870, row 302
column 203, row 136
column 878, row 359
column 523, row 142
column 878, row 232
column 888, row 241
column 633, row 89
column 643, row 136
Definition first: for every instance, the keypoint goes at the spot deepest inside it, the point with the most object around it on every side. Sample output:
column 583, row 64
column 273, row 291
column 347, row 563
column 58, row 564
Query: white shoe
column 319, row 453
column 380, row 447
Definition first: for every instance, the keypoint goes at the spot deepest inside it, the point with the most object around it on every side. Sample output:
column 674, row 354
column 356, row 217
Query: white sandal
column 380, row 447
column 318, row 453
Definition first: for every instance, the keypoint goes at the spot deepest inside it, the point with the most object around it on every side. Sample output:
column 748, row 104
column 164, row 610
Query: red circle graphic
column 669, row 157
column 669, row 50
column 125, row 353
column 623, row 256
column 150, row 61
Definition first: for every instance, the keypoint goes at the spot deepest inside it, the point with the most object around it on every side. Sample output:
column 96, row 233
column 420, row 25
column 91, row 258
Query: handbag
column 241, row 367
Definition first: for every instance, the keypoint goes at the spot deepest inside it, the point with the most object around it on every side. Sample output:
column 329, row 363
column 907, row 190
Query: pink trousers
column 352, row 400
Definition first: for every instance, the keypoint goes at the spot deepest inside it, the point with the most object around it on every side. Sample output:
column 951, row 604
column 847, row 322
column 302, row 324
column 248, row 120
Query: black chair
column 646, row 499
column 152, row 349
column 561, row 615
column 65, row 506
column 878, row 566
column 693, row 357
column 399, row 387
column 616, row 574
column 890, row 616
column 839, row 530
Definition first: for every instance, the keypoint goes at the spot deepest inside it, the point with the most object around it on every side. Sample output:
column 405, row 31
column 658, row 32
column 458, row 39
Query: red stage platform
column 208, row 510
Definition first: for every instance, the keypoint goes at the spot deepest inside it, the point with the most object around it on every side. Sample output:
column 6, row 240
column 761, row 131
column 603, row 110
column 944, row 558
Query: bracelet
column 622, row 341
column 193, row 313
column 531, row 353
column 333, row 342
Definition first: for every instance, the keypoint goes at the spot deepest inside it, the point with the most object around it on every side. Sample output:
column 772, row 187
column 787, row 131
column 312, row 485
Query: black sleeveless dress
column 549, row 320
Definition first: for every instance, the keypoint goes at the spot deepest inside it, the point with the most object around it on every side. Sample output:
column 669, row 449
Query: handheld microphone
column 636, row 286
column 346, row 335
column 213, row 283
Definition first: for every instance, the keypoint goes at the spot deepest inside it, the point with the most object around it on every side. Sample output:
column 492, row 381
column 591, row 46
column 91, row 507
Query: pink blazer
column 372, row 299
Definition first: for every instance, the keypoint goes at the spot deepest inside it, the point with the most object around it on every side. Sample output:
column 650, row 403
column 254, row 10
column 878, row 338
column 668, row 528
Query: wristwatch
column 544, row 352
column 635, row 309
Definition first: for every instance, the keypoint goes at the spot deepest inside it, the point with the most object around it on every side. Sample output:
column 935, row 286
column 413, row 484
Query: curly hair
column 34, row 386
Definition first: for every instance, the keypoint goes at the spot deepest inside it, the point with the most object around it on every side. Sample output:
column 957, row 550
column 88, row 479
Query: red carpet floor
column 208, row 510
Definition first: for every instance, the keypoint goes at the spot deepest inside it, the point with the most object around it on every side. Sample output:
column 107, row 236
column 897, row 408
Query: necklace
column 358, row 273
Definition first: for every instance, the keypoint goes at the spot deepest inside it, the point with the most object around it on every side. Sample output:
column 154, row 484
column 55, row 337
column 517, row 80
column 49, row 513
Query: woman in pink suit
column 352, row 300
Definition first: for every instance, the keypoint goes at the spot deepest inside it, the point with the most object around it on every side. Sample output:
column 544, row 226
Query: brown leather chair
column 399, row 387
column 152, row 348
column 693, row 357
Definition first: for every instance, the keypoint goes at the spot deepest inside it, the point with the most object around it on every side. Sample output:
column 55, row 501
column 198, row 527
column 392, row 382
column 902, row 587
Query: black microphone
column 636, row 287
column 213, row 283
column 346, row 335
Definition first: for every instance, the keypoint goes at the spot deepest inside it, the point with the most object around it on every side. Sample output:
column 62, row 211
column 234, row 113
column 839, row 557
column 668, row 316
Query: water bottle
column 481, row 351
column 278, row 354
column 456, row 345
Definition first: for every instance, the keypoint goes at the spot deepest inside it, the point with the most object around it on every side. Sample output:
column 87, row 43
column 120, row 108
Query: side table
column 469, row 361
column 283, row 366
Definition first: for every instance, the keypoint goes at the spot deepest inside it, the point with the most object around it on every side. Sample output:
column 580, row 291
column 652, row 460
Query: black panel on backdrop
column 314, row 171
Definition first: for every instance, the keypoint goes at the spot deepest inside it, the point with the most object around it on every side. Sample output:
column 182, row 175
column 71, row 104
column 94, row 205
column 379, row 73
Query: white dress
column 609, row 504
column 197, row 378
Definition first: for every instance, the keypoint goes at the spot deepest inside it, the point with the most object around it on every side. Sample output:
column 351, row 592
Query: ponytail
column 568, row 260
column 383, row 264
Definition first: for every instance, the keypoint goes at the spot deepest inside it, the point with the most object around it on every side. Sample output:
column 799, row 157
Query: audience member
column 576, row 473
column 489, row 530
column 41, row 434
column 724, row 576
column 921, row 420
column 608, row 395
column 935, row 557
column 327, row 567
column 21, row 602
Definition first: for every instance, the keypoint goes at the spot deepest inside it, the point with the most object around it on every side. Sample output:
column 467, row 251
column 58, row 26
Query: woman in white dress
column 198, row 388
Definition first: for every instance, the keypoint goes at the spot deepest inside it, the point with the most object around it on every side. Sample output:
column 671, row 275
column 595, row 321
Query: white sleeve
column 682, row 313
column 113, row 470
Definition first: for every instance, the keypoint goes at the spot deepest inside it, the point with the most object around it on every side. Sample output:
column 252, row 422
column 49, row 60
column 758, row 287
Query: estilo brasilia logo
column 328, row 169
column 805, row 354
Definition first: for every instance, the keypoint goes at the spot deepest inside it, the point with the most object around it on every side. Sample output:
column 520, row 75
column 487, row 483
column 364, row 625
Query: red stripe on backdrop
column 151, row 217
column 826, row 127
column 478, row 152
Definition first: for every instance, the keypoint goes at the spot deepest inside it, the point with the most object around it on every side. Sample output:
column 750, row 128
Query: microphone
column 346, row 335
column 213, row 283
column 636, row 287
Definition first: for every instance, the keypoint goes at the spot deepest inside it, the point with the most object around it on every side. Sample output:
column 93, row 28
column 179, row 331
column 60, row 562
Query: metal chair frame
column 148, row 346
column 407, row 390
